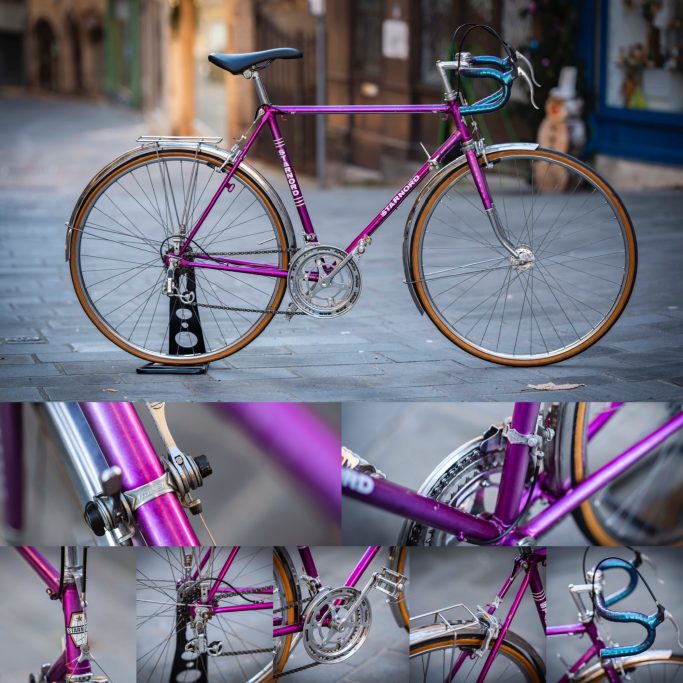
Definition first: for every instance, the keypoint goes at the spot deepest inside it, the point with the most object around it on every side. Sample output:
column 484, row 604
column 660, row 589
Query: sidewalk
column 383, row 349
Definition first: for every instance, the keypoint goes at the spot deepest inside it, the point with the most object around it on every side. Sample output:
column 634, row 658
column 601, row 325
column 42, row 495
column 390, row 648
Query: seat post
column 260, row 88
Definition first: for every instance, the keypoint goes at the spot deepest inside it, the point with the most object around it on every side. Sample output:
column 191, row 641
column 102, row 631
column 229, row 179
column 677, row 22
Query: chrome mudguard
column 221, row 156
column 424, row 194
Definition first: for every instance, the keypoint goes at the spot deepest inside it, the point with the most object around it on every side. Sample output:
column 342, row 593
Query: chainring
column 325, row 639
column 314, row 295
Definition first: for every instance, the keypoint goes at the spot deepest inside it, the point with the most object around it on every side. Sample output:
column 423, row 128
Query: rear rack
column 456, row 625
column 179, row 138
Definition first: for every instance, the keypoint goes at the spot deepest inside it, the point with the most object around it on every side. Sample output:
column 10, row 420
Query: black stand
column 185, row 334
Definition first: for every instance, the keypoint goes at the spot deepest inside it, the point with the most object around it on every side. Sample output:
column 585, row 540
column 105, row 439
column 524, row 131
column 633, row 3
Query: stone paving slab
column 382, row 349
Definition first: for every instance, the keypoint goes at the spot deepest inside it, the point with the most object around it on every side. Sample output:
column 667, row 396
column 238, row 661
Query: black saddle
column 237, row 64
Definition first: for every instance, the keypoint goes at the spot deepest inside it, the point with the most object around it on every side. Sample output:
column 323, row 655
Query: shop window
column 645, row 55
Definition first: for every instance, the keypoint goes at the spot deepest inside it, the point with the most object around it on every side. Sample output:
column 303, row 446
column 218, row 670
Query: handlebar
column 602, row 608
column 503, row 70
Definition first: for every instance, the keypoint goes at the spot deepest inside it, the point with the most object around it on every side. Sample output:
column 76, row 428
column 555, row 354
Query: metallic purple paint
column 124, row 443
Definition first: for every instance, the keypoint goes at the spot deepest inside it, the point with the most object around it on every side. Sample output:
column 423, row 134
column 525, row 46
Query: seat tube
column 516, row 465
column 292, row 182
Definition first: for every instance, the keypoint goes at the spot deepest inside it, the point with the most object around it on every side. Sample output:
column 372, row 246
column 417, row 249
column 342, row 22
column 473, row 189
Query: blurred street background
column 34, row 632
column 81, row 79
column 250, row 498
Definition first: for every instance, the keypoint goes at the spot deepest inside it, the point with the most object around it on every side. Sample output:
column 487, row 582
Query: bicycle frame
column 528, row 563
column 385, row 495
column 75, row 623
column 268, row 116
column 215, row 590
column 100, row 435
column 312, row 571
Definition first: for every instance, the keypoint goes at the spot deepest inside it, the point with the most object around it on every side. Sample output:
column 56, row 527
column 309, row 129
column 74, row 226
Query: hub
column 523, row 260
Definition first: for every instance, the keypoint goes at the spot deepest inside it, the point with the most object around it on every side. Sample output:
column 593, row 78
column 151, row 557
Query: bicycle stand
column 185, row 334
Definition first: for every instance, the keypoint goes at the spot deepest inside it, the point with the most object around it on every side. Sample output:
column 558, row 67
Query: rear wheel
column 131, row 219
column 174, row 646
column 567, row 283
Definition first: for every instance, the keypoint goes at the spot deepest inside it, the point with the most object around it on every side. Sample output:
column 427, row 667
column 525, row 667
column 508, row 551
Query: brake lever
column 531, row 86
column 519, row 55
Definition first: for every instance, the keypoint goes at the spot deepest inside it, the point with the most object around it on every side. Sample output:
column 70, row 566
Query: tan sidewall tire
column 421, row 222
column 509, row 650
column 286, row 583
column 84, row 299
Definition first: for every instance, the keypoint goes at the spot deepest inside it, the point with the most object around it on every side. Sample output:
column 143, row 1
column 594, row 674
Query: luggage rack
column 214, row 140
column 457, row 625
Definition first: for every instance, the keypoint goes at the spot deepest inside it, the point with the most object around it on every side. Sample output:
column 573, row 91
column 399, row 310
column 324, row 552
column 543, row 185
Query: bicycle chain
column 242, row 309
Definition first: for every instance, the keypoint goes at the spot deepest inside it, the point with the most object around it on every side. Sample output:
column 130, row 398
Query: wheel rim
column 566, row 287
column 643, row 505
column 163, row 591
column 433, row 662
column 128, row 224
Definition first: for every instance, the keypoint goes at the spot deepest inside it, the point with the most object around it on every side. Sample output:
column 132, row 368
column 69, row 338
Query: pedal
column 291, row 310
column 390, row 583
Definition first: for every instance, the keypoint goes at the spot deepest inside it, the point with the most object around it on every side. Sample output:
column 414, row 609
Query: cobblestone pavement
column 383, row 349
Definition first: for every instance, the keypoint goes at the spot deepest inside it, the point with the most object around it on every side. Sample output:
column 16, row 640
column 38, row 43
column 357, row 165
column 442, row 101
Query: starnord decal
column 78, row 629
column 357, row 481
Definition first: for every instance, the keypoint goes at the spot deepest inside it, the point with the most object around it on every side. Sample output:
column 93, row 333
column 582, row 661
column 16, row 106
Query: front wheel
column 568, row 281
column 433, row 659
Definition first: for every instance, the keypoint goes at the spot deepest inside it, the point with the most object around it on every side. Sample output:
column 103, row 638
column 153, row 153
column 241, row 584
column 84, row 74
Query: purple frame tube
column 124, row 443
column 71, row 604
column 13, row 461
column 302, row 444
column 222, row 573
column 516, row 464
column 602, row 419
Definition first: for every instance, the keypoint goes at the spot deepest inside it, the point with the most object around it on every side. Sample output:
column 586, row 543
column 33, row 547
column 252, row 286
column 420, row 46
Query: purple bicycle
column 181, row 253
column 615, row 467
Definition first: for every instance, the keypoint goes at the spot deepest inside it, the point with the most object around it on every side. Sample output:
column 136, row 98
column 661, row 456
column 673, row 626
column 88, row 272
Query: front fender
column 221, row 157
column 422, row 198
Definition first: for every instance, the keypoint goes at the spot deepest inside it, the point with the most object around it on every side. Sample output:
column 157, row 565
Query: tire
column 398, row 561
column 643, row 505
column 246, row 637
column 103, row 238
column 659, row 669
column 515, row 652
column 288, row 586
column 498, row 328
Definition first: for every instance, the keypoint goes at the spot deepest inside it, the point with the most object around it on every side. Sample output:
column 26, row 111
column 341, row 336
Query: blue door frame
column 630, row 133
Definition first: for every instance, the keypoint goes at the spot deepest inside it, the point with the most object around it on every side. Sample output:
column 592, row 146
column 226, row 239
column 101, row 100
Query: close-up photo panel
column 341, row 340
